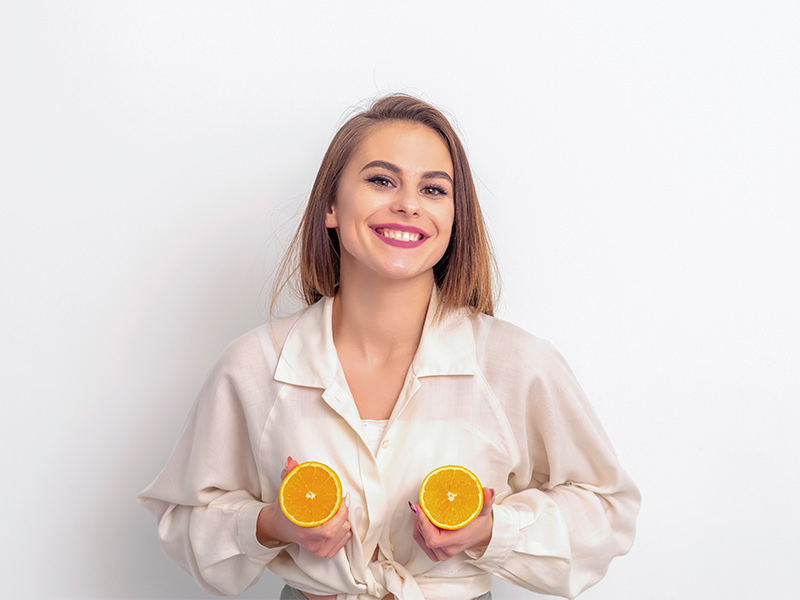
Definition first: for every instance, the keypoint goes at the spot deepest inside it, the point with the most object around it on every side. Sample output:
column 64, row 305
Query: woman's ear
column 331, row 220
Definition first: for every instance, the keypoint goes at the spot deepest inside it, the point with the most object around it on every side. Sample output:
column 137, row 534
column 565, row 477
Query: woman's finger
column 290, row 464
column 340, row 518
column 330, row 535
column 442, row 554
column 440, row 545
column 488, row 501
column 334, row 537
column 429, row 537
column 325, row 543
column 421, row 543
column 430, row 533
column 339, row 543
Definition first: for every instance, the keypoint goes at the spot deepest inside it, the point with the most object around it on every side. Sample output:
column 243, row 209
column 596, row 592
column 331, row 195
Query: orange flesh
column 451, row 497
column 311, row 494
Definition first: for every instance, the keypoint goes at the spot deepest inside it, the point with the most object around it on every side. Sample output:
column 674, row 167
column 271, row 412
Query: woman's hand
column 324, row 540
column 441, row 544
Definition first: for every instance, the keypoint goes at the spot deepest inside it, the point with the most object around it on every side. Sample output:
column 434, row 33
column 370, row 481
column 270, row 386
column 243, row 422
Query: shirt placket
column 374, row 469
column 387, row 456
column 339, row 398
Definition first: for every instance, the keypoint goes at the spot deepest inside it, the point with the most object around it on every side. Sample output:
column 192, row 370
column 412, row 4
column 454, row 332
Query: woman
column 394, row 368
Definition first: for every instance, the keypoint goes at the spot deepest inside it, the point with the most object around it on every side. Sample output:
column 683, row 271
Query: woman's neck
column 381, row 320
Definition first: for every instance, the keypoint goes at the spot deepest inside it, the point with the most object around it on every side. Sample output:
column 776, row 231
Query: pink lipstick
column 402, row 236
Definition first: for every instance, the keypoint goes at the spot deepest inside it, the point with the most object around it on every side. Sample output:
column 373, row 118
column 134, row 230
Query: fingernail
column 347, row 499
column 411, row 506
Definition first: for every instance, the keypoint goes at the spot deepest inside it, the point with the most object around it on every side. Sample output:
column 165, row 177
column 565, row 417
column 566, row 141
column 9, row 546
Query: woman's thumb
column 488, row 500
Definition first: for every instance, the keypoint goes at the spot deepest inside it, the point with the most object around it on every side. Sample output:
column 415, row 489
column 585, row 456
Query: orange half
column 451, row 497
column 310, row 494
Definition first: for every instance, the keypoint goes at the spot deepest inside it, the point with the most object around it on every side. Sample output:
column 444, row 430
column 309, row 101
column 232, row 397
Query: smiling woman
column 387, row 207
column 395, row 368
column 466, row 274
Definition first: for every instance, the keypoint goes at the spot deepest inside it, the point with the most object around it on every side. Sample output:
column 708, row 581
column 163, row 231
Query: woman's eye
column 434, row 190
column 380, row 181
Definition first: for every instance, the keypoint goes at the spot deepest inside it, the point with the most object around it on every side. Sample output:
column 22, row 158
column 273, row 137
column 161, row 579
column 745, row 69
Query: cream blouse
column 373, row 433
column 479, row 393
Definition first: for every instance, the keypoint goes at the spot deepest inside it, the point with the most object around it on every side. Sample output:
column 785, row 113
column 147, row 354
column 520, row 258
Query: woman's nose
column 407, row 202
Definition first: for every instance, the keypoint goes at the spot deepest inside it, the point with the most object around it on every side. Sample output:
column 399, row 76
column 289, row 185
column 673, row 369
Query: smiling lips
column 403, row 236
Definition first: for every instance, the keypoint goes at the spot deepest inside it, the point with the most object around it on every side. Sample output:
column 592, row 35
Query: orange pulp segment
column 310, row 494
column 451, row 497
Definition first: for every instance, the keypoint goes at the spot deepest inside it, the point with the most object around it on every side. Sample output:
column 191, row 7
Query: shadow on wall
column 157, row 358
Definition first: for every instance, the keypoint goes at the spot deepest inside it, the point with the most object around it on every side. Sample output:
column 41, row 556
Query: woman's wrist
column 267, row 526
column 486, row 535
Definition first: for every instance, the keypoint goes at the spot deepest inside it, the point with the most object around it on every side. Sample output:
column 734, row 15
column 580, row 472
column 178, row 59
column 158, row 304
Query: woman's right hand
column 324, row 540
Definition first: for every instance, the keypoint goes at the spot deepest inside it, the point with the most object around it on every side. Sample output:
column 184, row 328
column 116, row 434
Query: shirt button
column 385, row 444
column 392, row 547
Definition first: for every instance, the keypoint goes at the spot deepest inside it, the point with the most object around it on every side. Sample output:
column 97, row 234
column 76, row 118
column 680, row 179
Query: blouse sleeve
column 208, row 496
column 572, row 508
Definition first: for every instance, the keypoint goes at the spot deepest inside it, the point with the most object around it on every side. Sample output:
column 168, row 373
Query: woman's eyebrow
column 397, row 170
column 437, row 175
column 386, row 165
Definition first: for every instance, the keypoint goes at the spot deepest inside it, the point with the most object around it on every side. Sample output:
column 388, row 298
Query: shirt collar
column 309, row 358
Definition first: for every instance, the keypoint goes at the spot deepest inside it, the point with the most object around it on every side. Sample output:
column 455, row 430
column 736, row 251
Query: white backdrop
column 638, row 166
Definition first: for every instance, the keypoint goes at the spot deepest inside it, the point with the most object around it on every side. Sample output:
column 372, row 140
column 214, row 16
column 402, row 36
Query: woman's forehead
column 411, row 146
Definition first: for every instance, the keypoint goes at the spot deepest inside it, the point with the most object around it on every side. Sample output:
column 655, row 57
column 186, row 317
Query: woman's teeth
column 403, row 236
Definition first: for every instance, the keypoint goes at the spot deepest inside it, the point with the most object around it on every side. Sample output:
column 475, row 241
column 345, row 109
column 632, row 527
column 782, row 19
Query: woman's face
column 394, row 208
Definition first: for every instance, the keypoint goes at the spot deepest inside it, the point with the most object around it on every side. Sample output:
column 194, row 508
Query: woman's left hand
column 442, row 544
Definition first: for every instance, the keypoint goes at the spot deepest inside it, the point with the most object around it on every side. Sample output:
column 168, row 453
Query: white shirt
column 373, row 432
column 480, row 393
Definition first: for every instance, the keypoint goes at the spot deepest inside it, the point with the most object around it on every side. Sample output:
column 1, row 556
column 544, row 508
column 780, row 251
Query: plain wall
column 638, row 168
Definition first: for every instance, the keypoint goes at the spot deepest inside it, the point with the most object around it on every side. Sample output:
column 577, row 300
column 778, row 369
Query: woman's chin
column 410, row 271
column 404, row 272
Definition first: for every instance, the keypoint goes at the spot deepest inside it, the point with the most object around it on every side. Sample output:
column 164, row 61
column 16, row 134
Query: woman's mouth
column 399, row 235
column 405, row 236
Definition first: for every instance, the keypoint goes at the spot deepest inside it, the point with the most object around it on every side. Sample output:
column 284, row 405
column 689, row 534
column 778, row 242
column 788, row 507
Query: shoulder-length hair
column 466, row 274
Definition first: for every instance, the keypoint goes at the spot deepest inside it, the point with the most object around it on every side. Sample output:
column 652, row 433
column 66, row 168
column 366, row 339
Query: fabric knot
column 388, row 577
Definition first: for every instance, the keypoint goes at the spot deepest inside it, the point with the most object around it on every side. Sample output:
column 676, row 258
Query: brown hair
column 465, row 275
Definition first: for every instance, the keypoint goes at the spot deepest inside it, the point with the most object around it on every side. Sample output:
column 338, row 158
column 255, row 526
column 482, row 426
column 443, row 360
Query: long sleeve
column 480, row 393
column 208, row 496
column 570, row 508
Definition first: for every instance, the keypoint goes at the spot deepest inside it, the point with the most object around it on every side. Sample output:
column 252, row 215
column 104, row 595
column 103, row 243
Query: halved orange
column 451, row 496
column 310, row 494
